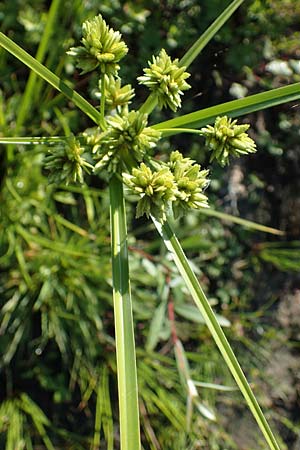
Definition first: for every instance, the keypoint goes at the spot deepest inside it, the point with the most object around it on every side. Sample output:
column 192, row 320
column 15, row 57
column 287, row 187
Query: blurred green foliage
column 58, row 369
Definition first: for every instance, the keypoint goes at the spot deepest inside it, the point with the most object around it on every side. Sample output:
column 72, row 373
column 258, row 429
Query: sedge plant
column 123, row 149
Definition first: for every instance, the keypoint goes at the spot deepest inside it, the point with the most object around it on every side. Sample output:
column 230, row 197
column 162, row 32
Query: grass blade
column 233, row 108
column 50, row 77
column 202, row 303
column 125, row 346
column 30, row 86
column 196, row 48
column 211, row 31
column 240, row 221
column 27, row 140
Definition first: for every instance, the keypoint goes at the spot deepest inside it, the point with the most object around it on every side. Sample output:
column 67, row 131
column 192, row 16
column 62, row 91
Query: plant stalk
column 125, row 345
column 102, row 104
column 204, row 307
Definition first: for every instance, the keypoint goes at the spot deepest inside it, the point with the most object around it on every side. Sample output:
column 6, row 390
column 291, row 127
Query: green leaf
column 243, row 222
column 125, row 345
column 211, row 321
column 156, row 325
column 217, row 387
column 40, row 55
column 211, row 31
column 50, row 77
column 205, row 411
column 32, row 140
column 196, row 48
column 234, row 108
column 284, row 255
column 192, row 313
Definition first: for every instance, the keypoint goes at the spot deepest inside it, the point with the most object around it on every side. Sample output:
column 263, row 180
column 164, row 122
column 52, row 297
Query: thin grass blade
column 50, row 77
column 234, row 108
column 202, row 303
column 211, row 31
column 26, row 140
column 243, row 222
column 196, row 48
column 40, row 55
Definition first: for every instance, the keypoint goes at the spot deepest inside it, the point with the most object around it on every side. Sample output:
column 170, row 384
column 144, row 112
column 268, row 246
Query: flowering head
column 190, row 182
column 177, row 185
column 125, row 142
column 155, row 188
column 65, row 163
column 102, row 47
column 226, row 138
column 166, row 79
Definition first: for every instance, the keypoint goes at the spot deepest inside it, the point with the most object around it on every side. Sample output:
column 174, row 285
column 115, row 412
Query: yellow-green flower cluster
column 156, row 190
column 226, row 139
column 102, row 47
column 190, row 183
column 65, row 163
column 116, row 95
column 127, row 140
column 166, row 79
column 177, row 185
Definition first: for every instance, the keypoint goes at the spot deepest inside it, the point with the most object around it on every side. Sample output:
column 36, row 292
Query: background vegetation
column 58, row 369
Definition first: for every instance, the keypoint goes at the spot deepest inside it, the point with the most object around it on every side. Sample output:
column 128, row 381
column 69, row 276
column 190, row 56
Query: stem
column 125, row 346
column 102, row 103
column 150, row 103
column 203, row 305
column 180, row 130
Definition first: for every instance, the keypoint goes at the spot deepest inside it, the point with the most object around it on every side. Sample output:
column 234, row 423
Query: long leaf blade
column 208, row 34
column 49, row 76
column 233, row 108
column 41, row 52
column 240, row 221
column 196, row 48
column 202, row 303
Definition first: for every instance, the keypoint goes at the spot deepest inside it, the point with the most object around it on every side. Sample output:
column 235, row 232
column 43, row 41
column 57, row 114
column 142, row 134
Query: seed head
column 166, row 79
column 126, row 141
column 65, row 163
column 190, row 183
column 226, row 138
column 102, row 47
column 155, row 188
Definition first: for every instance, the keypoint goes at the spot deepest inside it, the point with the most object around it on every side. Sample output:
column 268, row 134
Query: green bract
column 166, row 79
column 190, row 182
column 226, row 138
column 155, row 188
column 102, row 47
column 125, row 142
column 65, row 163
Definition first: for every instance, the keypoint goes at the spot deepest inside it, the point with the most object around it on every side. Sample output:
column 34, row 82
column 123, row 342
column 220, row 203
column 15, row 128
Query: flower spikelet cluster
column 166, row 79
column 177, row 185
column 156, row 190
column 65, row 163
column 102, row 47
column 127, row 139
column 226, row 139
column 190, row 182
column 116, row 95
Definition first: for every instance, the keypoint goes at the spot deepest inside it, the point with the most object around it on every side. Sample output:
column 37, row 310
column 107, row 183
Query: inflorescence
column 226, row 138
column 123, row 142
